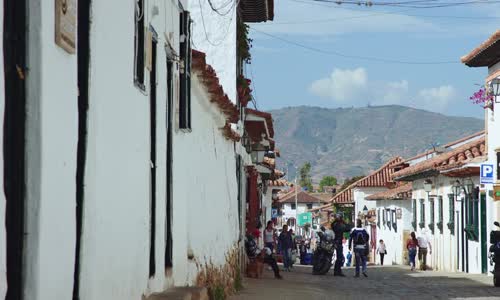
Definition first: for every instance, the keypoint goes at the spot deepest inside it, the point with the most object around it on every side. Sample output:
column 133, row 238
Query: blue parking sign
column 486, row 173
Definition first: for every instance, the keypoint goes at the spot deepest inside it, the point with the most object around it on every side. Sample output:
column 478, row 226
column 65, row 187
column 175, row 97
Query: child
column 349, row 259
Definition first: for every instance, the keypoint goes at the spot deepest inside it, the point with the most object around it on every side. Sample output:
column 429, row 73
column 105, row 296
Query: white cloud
column 438, row 97
column 352, row 87
column 341, row 85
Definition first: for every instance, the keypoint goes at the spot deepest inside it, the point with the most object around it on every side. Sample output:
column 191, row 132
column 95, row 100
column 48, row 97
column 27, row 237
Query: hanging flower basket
column 483, row 97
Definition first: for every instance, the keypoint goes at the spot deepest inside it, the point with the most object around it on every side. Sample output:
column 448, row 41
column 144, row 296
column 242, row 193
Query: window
column 139, row 45
column 388, row 218
column 431, row 223
column 472, row 217
column 309, row 206
column 440, row 214
column 293, row 206
column 378, row 218
column 185, row 71
column 422, row 214
column 451, row 212
column 384, row 217
column 414, row 213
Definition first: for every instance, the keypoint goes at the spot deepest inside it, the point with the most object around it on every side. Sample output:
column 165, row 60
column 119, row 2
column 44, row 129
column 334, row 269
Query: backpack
column 359, row 237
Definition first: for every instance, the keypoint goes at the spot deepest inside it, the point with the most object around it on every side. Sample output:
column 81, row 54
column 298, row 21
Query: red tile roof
column 279, row 182
column 209, row 78
column 452, row 158
column 254, row 11
column 485, row 54
column 302, row 197
column 380, row 177
column 450, row 144
column 229, row 133
column 265, row 115
column 401, row 192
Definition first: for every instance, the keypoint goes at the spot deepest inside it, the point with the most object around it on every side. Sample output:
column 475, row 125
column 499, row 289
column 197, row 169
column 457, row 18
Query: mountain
column 346, row 142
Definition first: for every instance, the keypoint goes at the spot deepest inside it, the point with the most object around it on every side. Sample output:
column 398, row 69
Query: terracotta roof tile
column 452, row 158
column 267, row 116
column 302, row 197
column 279, row 182
column 209, row 78
column 403, row 191
column 380, row 177
column 476, row 52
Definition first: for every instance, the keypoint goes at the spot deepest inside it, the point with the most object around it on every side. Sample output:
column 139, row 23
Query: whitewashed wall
column 360, row 193
column 205, row 191
column 393, row 239
column 3, row 253
column 492, row 119
column 215, row 35
column 444, row 244
column 116, row 228
column 52, row 131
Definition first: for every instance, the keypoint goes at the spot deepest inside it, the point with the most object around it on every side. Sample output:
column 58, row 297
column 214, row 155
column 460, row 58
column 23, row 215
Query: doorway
column 14, row 47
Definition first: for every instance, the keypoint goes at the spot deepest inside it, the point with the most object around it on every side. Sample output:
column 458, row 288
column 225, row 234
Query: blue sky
column 288, row 75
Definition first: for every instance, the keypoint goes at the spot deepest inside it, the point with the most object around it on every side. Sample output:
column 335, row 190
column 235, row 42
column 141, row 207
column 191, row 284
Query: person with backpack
column 360, row 238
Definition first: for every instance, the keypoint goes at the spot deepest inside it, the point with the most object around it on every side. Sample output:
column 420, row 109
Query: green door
column 484, row 240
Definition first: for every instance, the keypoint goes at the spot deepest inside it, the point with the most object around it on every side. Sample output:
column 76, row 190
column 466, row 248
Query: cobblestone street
column 392, row 282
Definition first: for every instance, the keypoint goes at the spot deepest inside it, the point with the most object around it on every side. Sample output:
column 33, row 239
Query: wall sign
column 399, row 213
column 486, row 173
column 496, row 192
column 66, row 25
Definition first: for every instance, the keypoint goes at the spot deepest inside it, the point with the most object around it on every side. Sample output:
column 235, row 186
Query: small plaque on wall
column 496, row 192
column 65, row 25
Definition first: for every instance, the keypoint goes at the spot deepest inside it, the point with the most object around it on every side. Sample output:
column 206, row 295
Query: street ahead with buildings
column 136, row 163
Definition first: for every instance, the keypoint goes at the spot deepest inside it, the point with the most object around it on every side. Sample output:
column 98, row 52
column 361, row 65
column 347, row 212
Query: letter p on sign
column 486, row 173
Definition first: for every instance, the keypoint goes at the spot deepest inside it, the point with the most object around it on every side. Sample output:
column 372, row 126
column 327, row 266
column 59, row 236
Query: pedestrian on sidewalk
column 360, row 238
column 382, row 251
column 253, row 252
column 270, row 236
column 285, row 240
column 424, row 247
column 339, row 228
column 412, row 245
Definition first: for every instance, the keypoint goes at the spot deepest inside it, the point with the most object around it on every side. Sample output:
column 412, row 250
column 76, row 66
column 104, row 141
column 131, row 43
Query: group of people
column 359, row 244
column 423, row 245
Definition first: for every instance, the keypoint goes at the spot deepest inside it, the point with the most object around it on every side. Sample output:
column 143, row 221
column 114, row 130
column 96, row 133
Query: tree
column 349, row 181
column 305, row 177
column 327, row 181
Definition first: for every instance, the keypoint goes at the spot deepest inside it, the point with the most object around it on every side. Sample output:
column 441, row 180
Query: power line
column 408, row 4
column 335, row 53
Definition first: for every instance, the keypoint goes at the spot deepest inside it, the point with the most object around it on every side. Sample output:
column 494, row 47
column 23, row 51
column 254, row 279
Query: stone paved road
column 392, row 282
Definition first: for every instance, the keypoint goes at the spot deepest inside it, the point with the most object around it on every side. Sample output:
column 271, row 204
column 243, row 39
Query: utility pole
column 296, row 206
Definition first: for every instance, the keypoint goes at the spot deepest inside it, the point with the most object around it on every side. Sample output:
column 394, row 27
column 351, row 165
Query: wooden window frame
column 139, row 45
column 451, row 213
column 185, row 72
column 422, row 214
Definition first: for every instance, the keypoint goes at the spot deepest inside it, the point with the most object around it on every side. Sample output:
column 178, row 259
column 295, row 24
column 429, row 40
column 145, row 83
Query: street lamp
column 456, row 188
column 427, row 187
column 495, row 87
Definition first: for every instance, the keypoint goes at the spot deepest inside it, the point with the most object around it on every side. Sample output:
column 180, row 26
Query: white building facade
column 117, row 152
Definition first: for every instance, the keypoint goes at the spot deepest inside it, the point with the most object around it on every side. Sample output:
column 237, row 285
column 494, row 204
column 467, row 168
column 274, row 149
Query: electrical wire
column 216, row 44
column 408, row 4
column 335, row 53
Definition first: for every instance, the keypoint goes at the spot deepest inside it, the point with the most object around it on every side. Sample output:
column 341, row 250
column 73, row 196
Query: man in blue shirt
column 360, row 238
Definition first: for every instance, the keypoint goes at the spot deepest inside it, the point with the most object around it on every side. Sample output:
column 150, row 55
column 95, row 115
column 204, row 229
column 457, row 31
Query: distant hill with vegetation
column 346, row 142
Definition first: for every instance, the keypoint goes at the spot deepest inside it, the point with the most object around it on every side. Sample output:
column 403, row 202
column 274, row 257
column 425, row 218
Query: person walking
column 285, row 241
column 270, row 236
column 424, row 247
column 382, row 251
column 412, row 245
column 360, row 238
column 339, row 227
